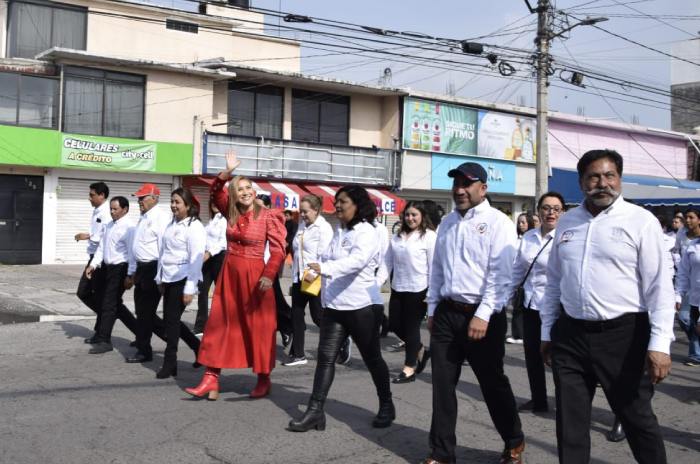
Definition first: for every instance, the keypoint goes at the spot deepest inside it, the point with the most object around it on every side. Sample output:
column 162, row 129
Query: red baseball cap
column 147, row 189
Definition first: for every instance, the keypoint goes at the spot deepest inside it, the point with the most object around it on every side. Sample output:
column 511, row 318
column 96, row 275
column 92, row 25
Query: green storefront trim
column 25, row 146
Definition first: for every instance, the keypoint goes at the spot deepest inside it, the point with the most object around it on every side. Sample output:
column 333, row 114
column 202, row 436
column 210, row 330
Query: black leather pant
column 363, row 326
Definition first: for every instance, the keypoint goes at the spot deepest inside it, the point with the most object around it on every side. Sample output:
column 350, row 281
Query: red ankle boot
column 262, row 388
column 209, row 385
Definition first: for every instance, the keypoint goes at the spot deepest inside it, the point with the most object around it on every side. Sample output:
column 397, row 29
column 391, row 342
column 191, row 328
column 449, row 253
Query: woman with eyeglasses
column 530, row 272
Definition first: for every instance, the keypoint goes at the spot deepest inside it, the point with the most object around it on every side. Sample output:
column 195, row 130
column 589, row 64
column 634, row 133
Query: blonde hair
column 313, row 200
column 233, row 211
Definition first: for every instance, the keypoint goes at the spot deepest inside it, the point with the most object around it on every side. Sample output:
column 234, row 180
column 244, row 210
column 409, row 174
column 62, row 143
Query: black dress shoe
column 139, row 358
column 385, row 416
column 616, row 433
column 92, row 340
column 166, row 371
column 403, row 378
column 423, row 361
column 100, row 347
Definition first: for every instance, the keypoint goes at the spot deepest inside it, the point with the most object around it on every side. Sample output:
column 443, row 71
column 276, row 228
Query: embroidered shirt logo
column 566, row 236
column 482, row 228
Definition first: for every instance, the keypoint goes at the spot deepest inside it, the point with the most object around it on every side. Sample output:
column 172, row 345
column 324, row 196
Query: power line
column 654, row 18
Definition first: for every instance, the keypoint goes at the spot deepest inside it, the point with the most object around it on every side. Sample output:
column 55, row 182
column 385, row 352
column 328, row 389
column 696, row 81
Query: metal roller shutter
column 202, row 194
column 74, row 212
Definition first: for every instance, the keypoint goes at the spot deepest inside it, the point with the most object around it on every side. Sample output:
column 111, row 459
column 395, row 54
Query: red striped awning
column 284, row 195
column 387, row 202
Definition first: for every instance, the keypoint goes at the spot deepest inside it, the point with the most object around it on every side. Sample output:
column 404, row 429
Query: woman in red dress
column 241, row 328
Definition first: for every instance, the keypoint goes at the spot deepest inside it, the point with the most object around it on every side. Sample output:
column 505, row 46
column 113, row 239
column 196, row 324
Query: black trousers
column 612, row 353
column 173, row 307
column 284, row 312
column 516, row 323
column 532, row 325
column 146, row 298
column 363, row 326
column 299, row 302
column 112, row 307
column 210, row 272
column 90, row 291
column 449, row 347
column 406, row 312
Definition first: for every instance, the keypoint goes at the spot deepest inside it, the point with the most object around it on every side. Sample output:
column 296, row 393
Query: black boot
column 385, row 416
column 169, row 369
column 616, row 433
column 313, row 418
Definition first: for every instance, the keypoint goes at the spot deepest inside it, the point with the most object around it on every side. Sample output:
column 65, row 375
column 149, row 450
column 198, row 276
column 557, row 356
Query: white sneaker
column 514, row 341
column 295, row 362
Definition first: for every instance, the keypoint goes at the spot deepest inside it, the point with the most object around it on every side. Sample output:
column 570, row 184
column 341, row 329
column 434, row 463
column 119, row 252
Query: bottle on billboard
column 436, row 135
column 528, row 151
column 415, row 133
column 425, row 136
column 517, row 140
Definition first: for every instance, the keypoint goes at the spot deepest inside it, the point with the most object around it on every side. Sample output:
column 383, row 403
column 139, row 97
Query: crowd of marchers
column 592, row 292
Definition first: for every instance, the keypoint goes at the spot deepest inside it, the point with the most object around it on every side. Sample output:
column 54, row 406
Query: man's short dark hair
column 594, row 155
column 100, row 188
column 123, row 202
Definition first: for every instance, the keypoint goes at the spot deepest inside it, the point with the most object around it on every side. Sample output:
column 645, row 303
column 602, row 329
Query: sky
column 659, row 24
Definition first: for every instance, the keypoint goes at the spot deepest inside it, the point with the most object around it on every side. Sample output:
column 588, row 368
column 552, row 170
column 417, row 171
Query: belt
column 146, row 263
column 604, row 325
column 461, row 307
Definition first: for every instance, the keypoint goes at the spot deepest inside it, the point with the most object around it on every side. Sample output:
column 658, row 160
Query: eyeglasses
column 551, row 209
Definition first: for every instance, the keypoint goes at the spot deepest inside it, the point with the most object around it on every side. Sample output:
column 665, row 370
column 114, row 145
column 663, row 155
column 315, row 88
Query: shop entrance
column 21, row 212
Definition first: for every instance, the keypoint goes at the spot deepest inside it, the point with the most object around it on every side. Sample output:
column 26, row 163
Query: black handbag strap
column 527, row 274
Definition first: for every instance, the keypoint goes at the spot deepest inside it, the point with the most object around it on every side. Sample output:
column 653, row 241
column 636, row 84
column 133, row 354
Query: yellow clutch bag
column 311, row 288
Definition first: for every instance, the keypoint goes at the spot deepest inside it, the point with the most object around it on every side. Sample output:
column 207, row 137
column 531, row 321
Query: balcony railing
column 291, row 160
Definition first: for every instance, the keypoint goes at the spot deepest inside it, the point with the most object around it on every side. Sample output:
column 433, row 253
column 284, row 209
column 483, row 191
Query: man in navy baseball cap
column 471, row 171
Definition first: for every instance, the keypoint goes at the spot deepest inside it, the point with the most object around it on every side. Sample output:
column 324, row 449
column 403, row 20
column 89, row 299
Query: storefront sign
column 439, row 127
column 459, row 130
column 501, row 173
column 108, row 154
column 506, row 136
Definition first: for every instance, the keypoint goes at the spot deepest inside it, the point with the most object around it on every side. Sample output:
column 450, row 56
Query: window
column 255, row 110
column 181, row 26
column 37, row 25
column 320, row 117
column 28, row 100
column 100, row 102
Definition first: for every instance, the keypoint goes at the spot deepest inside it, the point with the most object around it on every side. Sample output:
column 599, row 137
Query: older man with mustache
column 608, row 313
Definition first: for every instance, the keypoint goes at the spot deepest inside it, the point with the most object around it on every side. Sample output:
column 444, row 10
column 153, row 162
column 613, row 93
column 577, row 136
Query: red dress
column 242, row 322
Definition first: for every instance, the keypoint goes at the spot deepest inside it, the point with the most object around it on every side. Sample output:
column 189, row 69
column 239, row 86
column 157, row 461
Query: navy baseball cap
column 472, row 171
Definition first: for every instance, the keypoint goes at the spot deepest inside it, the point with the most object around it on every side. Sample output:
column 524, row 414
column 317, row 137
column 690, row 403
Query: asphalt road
column 58, row 404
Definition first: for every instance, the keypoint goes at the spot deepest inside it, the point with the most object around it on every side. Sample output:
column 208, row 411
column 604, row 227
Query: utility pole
column 542, row 159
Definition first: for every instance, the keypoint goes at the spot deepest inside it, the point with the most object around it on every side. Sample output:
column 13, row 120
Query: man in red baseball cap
column 148, row 189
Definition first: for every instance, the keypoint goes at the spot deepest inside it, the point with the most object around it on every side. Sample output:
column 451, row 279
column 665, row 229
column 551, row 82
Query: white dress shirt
column 530, row 244
column 473, row 260
column 115, row 246
column 99, row 220
column 669, row 246
column 316, row 238
column 377, row 262
column 216, row 234
column 688, row 276
column 149, row 233
column 682, row 242
column 182, row 253
column 410, row 257
column 349, row 280
column 605, row 266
